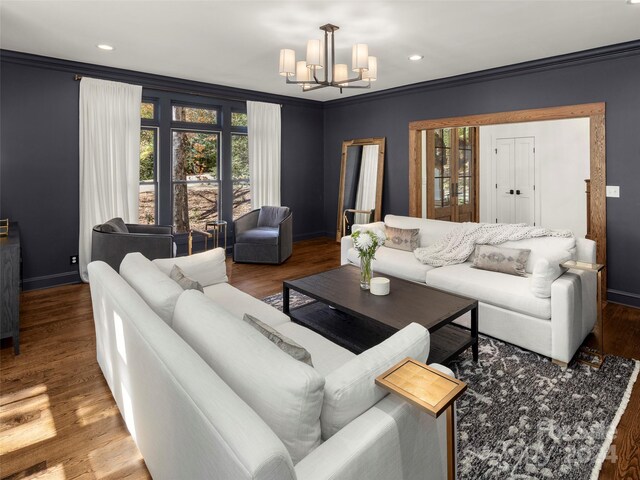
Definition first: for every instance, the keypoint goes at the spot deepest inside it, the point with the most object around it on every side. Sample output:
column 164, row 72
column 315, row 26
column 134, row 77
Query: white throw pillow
column 350, row 390
column 206, row 268
column 157, row 289
column 551, row 248
column 286, row 393
column 545, row 273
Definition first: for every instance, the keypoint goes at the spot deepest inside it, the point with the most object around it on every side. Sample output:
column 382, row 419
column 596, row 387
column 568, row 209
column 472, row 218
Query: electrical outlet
column 73, row 259
column 613, row 191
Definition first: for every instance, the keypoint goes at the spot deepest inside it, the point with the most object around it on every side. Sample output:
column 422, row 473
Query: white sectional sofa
column 205, row 395
column 508, row 309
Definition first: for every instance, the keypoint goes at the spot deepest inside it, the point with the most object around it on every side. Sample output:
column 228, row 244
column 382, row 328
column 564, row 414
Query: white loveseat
column 205, row 395
column 508, row 309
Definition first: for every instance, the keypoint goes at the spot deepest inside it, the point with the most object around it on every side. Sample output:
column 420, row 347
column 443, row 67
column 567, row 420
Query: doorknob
column 517, row 192
column 511, row 192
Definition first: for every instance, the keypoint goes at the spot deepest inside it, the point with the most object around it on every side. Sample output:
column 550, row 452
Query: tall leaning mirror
column 361, row 176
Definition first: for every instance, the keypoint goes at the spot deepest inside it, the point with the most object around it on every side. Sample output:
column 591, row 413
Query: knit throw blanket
column 457, row 245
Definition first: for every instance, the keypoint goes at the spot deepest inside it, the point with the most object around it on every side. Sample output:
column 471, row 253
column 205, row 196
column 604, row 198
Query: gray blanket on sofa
column 459, row 244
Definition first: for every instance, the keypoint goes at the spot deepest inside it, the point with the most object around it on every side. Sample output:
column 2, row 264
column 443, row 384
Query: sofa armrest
column 149, row 229
column 573, row 312
column 245, row 222
column 585, row 250
column 345, row 244
column 392, row 439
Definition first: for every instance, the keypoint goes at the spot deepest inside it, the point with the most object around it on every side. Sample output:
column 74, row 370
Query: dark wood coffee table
column 357, row 320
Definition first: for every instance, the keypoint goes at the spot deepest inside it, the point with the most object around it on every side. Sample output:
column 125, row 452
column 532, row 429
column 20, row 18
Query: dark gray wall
column 39, row 157
column 611, row 76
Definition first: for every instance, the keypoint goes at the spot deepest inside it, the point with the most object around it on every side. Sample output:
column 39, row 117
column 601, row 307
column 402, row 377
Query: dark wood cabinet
column 10, row 258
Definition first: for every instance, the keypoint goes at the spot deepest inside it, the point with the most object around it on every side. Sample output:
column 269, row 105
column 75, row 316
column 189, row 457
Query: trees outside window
column 192, row 164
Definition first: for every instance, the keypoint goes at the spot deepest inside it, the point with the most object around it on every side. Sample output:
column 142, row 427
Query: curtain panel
column 109, row 157
column 263, row 126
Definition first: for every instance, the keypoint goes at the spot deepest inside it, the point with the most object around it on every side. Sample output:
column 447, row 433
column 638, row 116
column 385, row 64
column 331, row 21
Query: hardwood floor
column 59, row 421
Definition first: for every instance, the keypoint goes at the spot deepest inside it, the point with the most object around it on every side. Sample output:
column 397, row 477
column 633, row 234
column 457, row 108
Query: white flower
column 380, row 234
column 363, row 241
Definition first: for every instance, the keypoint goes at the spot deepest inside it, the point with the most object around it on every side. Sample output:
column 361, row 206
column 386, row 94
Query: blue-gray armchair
column 112, row 240
column 264, row 235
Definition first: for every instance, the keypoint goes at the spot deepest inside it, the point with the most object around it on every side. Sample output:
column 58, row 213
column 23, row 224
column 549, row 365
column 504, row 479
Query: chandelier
column 307, row 72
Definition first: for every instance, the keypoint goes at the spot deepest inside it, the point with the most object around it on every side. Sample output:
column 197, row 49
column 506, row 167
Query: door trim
column 595, row 112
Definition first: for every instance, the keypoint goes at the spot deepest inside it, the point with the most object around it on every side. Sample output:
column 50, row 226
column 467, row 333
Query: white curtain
column 367, row 184
column 263, row 127
column 109, row 157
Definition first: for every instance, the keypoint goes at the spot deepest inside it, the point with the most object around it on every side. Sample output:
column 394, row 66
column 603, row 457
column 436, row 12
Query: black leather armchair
column 111, row 241
column 263, row 236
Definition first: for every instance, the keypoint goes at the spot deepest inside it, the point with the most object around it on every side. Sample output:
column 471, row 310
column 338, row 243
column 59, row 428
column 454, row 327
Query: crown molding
column 132, row 76
column 560, row 61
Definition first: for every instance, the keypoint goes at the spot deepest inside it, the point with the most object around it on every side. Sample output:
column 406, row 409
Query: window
column 195, row 178
column 147, row 192
column 238, row 119
column 195, row 168
column 240, row 174
column 188, row 114
column 147, row 110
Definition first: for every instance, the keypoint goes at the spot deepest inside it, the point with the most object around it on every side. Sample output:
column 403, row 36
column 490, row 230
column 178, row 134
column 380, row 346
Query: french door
column 452, row 183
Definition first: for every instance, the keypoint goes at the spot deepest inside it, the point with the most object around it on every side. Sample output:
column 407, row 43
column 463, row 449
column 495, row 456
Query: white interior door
column 505, row 204
column 515, row 180
column 524, row 181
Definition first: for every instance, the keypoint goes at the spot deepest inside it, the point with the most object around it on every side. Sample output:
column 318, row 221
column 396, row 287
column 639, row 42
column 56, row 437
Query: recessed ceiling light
column 104, row 46
column 633, row 2
column 416, row 57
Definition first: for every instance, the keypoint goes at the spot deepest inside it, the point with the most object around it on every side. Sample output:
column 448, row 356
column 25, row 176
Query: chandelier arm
column 317, row 87
column 326, row 56
column 303, row 82
column 350, row 86
column 333, row 58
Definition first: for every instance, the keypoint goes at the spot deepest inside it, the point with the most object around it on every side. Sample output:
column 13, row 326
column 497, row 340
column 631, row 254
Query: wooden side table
column 430, row 390
column 595, row 268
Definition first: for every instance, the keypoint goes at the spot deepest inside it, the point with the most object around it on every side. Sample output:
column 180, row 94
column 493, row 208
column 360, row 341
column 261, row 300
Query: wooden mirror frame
column 380, row 142
column 595, row 112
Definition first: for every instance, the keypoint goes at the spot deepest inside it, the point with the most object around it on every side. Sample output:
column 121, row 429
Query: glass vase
column 365, row 272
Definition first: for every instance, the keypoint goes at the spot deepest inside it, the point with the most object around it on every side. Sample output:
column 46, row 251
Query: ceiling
column 237, row 43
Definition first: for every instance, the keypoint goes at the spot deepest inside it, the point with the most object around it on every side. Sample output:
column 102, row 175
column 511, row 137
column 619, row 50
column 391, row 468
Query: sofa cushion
column 495, row 258
column 430, row 230
column 286, row 393
column 272, row 216
column 326, row 355
column 553, row 249
column 545, row 272
column 398, row 263
column 351, row 390
column 505, row 291
column 406, row 239
column 238, row 303
column 186, row 283
column 115, row 225
column 207, row 268
column 157, row 289
column 281, row 341
column 265, row 235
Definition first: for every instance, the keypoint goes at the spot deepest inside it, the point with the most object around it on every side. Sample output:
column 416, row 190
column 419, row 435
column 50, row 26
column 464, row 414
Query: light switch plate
column 613, row 191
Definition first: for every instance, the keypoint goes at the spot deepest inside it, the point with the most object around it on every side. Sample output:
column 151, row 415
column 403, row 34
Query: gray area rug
column 522, row 417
